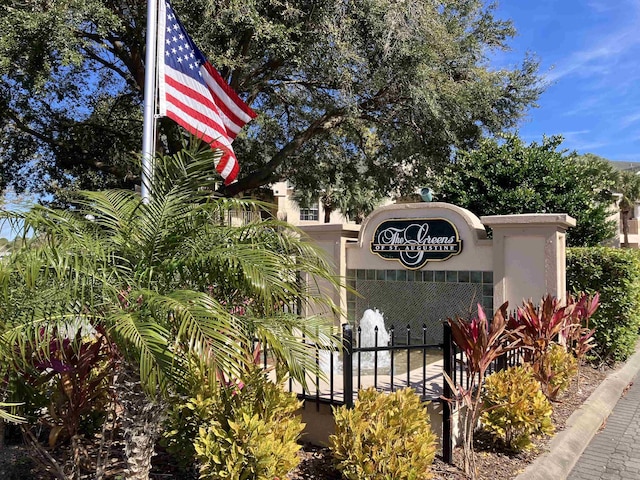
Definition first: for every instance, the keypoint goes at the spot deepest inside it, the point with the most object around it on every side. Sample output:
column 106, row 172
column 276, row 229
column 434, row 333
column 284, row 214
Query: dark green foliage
column 510, row 177
column 373, row 92
column 385, row 436
column 615, row 274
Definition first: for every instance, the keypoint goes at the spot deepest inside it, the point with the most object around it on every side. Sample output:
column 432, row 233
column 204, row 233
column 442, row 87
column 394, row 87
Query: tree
column 180, row 291
column 510, row 177
column 628, row 186
column 355, row 201
column 376, row 89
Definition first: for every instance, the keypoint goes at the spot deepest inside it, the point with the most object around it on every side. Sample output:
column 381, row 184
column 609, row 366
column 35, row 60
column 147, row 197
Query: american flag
column 194, row 94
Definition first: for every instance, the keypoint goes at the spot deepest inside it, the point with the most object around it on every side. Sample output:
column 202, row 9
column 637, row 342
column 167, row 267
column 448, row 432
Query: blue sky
column 590, row 55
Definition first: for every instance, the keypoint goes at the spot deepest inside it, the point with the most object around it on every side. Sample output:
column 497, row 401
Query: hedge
column 615, row 273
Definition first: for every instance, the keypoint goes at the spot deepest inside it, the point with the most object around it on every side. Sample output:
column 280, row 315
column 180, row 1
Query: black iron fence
column 396, row 364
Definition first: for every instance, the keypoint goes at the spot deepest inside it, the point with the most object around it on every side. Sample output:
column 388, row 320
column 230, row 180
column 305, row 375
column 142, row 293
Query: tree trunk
column 625, row 228
column 141, row 426
column 327, row 214
column 141, row 433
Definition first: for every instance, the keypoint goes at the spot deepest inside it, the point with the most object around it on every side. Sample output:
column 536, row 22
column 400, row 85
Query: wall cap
column 562, row 220
column 347, row 228
column 417, row 210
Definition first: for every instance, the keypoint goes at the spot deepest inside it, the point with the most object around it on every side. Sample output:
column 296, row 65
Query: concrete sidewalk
column 614, row 453
column 581, row 453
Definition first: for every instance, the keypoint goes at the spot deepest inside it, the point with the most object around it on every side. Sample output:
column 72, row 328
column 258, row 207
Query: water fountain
column 371, row 324
column 373, row 333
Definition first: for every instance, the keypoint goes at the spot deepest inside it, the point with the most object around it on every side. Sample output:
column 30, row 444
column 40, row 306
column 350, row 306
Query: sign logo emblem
column 416, row 241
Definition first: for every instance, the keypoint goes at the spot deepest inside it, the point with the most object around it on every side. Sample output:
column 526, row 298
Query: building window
column 310, row 213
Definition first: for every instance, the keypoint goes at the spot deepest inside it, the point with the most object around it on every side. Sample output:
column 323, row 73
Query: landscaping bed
column 493, row 461
column 316, row 463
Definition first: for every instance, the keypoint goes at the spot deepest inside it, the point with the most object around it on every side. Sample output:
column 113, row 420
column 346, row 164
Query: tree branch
column 105, row 63
column 266, row 174
column 326, row 122
column 21, row 125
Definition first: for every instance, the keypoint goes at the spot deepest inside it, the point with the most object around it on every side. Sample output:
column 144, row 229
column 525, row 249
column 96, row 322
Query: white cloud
column 601, row 6
column 575, row 133
column 628, row 120
column 604, row 55
column 597, row 60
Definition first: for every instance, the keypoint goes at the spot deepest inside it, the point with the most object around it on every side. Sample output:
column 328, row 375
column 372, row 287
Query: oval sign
column 416, row 241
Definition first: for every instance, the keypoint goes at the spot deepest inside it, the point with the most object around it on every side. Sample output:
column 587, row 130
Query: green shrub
column 614, row 273
column 184, row 419
column 385, row 436
column 515, row 407
column 557, row 369
column 252, row 433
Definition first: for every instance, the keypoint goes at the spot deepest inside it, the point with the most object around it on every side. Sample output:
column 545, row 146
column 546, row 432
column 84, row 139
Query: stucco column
column 529, row 255
column 332, row 238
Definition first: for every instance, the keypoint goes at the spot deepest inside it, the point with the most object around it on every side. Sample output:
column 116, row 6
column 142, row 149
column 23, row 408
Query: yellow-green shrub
column 252, row 433
column 556, row 370
column 515, row 407
column 385, row 436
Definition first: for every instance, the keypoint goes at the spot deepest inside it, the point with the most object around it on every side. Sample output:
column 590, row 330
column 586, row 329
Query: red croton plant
column 538, row 327
column 482, row 342
column 74, row 372
column 533, row 329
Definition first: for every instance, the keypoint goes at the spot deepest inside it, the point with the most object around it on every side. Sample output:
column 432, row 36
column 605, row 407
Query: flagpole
column 149, row 106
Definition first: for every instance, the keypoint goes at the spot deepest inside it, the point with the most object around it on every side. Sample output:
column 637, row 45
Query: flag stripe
column 188, row 86
column 228, row 96
column 227, row 166
column 233, row 109
column 194, row 119
column 186, row 100
column 194, row 94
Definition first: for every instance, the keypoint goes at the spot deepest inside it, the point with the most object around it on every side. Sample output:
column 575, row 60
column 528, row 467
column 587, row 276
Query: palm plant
column 628, row 186
column 171, row 280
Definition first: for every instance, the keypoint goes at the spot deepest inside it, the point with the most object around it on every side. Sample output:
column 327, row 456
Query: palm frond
column 8, row 416
column 201, row 326
column 147, row 343
column 296, row 342
column 168, row 277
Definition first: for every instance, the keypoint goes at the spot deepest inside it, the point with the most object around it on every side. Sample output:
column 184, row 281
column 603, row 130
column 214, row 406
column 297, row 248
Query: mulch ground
column 493, row 462
column 316, row 463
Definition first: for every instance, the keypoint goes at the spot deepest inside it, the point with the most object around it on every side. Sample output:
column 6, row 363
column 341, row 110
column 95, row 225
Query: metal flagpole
column 149, row 108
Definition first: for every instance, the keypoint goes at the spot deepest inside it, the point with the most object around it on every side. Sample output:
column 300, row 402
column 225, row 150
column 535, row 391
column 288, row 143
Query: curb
column 566, row 447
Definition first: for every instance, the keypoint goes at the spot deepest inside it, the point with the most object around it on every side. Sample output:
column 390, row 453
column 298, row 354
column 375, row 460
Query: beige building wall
column 289, row 210
column 332, row 239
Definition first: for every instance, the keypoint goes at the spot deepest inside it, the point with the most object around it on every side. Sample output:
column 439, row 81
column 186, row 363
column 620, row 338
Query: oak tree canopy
column 375, row 91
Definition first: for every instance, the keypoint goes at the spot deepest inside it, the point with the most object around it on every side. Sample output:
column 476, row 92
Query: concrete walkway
column 584, row 452
column 614, row 453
